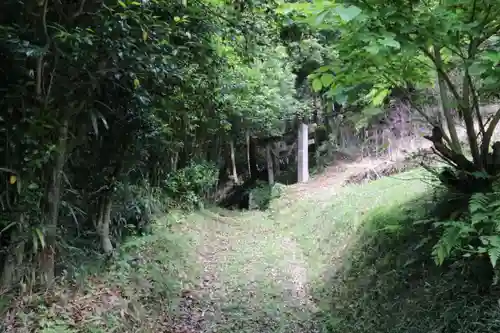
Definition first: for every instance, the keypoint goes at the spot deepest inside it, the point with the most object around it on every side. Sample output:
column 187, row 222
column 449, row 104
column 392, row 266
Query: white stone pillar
column 303, row 154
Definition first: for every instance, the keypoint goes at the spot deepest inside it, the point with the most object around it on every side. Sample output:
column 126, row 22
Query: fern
column 453, row 234
column 481, row 224
column 494, row 253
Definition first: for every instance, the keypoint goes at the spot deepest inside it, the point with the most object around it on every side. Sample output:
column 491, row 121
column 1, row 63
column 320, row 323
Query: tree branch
column 80, row 9
column 445, row 103
column 440, row 70
column 489, row 134
column 475, row 101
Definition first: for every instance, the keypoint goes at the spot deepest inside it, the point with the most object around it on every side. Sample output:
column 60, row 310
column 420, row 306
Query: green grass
column 271, row 267
column 344, row 261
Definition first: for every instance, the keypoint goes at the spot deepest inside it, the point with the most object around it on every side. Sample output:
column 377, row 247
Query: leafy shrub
column 137, row 206
column 476, row 232
column 190, row 185
column 262, row 195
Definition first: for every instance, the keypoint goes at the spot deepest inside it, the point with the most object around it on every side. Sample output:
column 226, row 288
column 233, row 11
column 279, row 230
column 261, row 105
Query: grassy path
column 264, row 271
column 307, row 265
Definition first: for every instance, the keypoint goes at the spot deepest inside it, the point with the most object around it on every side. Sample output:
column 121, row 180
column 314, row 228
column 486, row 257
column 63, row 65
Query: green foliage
column 190, row 185
column 381, row 46
column 137, row 207
column 388, row 283
column 107, row 105
column 476, row 233
column 368, row 62
column 260, row 96
column 262, row 195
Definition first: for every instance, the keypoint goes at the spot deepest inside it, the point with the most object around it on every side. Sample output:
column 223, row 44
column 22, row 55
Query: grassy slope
column 310, row 264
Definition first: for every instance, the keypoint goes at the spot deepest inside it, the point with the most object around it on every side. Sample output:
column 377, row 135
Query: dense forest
column 115, row 112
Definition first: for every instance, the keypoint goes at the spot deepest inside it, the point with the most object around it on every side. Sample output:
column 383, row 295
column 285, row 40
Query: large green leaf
column 390, row 42
column 317, row 85
column 327, row 79
column 347, row 13
column 477, row 68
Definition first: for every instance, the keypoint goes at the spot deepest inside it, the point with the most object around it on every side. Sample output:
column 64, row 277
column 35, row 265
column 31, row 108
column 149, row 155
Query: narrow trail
column 260, row 269
column 255, row 272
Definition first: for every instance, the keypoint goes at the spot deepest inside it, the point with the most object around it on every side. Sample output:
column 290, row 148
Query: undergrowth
column 357, row 261
column 392, row 283
column 136, row 292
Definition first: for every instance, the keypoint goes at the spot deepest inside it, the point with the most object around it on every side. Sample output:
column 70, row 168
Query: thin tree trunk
column 317, row 110
column 440, row 114
column 254, row 171
column 233, row 161
column 175, row 161
column 248, row 154
column 489, row 134
column 13, row 261
column 467, row 112
column 445, row 103
column 103, row 223
column 54, row 199
column 270, row 169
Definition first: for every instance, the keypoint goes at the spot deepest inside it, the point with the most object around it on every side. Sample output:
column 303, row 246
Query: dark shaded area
column 390, row 284
column 239, row 196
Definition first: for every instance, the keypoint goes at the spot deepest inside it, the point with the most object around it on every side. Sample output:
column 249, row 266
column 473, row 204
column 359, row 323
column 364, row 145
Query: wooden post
column 303, row 154
column 270, row 169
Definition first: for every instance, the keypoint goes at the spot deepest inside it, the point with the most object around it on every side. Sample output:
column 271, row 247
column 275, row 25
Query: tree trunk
column 103, row 223
column 270, row 169
column 174, row 162
column 54, row 200
column 467, row 112
column 233, row 161
column 13, row 261
column 445, row 103
column 254, row 171
column 316, row 115
column 247, row 134
column 487, row 137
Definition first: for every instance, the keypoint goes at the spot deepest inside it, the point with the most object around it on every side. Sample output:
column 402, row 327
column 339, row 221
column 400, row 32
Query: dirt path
column 259, row 267
column 247, row 267
column 255, row 273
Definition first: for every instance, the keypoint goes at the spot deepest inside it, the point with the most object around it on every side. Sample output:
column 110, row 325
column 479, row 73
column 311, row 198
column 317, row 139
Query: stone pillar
column 303, row 154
